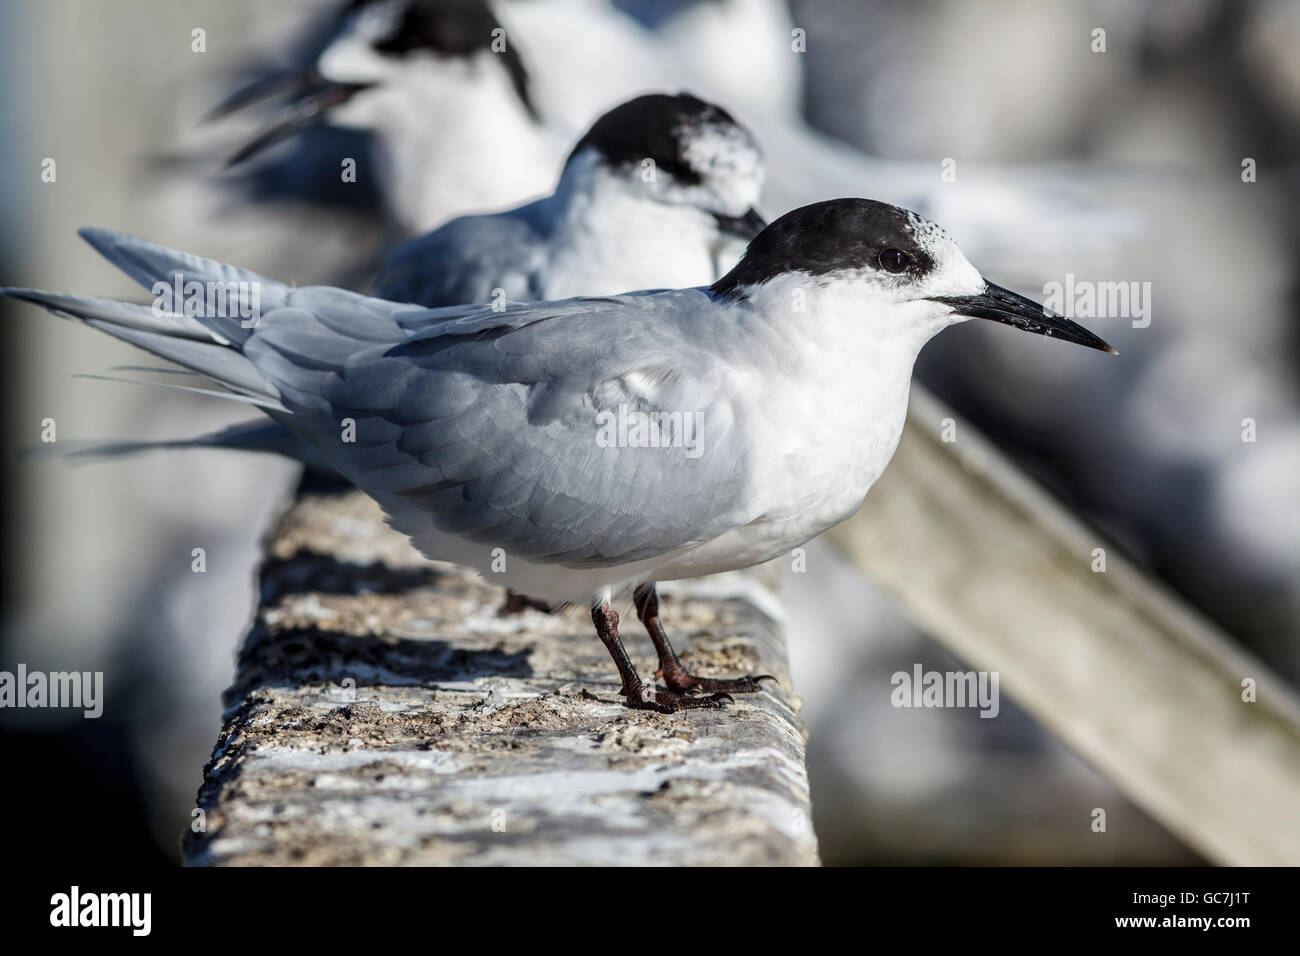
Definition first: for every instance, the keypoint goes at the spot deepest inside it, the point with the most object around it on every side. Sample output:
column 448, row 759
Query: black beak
column 1003, row 305
column 287, row 83
column 741, row 227
column 311, row 96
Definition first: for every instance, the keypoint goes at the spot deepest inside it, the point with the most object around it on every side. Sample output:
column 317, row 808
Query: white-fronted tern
column 599, row 445
column 660, row 193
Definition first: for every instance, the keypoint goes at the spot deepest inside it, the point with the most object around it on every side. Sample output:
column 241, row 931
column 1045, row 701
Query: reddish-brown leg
column 636, row 693
column 675, row 676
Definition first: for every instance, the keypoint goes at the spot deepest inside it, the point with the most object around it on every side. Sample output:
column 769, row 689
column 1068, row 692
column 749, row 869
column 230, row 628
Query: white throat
column 845, row 357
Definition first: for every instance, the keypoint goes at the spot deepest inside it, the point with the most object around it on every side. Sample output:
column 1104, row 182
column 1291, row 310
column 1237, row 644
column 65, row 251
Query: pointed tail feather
column 244, row 292
column 256, row 436
column 264, row 403
column 180, row 339
column 284, row 364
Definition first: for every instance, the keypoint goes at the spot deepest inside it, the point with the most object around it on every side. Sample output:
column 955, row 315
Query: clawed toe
column 670, row 702
column 685, row 682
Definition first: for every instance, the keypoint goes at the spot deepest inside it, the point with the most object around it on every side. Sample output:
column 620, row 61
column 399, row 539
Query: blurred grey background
column 1115, row 165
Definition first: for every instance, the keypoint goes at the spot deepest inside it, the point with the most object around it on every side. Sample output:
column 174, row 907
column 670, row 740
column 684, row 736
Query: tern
column 441, row 87
column 659, row 193
column 598, row 445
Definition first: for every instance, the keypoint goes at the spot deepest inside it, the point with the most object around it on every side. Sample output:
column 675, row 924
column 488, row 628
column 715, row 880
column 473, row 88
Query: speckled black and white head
column 889, row 263
column 680, row 150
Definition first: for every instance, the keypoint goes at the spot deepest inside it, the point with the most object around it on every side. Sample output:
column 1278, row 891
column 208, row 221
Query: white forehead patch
column 952, row 273
column 729, row 163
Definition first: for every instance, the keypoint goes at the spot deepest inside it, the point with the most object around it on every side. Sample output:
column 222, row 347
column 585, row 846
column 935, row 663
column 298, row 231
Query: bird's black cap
column 657, row 126
column 830, row 236
column 449, row 28
column 452, row 27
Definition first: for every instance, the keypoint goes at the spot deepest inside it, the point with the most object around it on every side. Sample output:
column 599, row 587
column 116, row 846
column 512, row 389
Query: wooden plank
column 1126, row 673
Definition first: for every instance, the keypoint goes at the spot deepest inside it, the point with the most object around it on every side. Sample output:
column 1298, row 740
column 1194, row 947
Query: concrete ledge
column 383, row 713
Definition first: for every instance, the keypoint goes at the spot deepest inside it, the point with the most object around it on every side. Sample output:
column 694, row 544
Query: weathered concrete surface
column 383, row 713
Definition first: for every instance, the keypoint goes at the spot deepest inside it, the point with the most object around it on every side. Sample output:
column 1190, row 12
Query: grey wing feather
column 494, row 437
column 465, row 261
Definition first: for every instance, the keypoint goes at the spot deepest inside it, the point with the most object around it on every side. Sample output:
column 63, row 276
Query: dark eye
column 895, row 260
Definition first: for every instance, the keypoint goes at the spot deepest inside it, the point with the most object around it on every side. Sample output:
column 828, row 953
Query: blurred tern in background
column 443, row 90
column 462, row 138
column 479, row 430
column 659, row 193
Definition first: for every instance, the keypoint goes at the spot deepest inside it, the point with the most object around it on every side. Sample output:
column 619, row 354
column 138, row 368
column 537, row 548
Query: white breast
column 611, row 240
column 832, row 419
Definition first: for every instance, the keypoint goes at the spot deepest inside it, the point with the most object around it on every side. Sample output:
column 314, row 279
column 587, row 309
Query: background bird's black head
column 835, row 236
column 660, row 127
column 452, row 28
